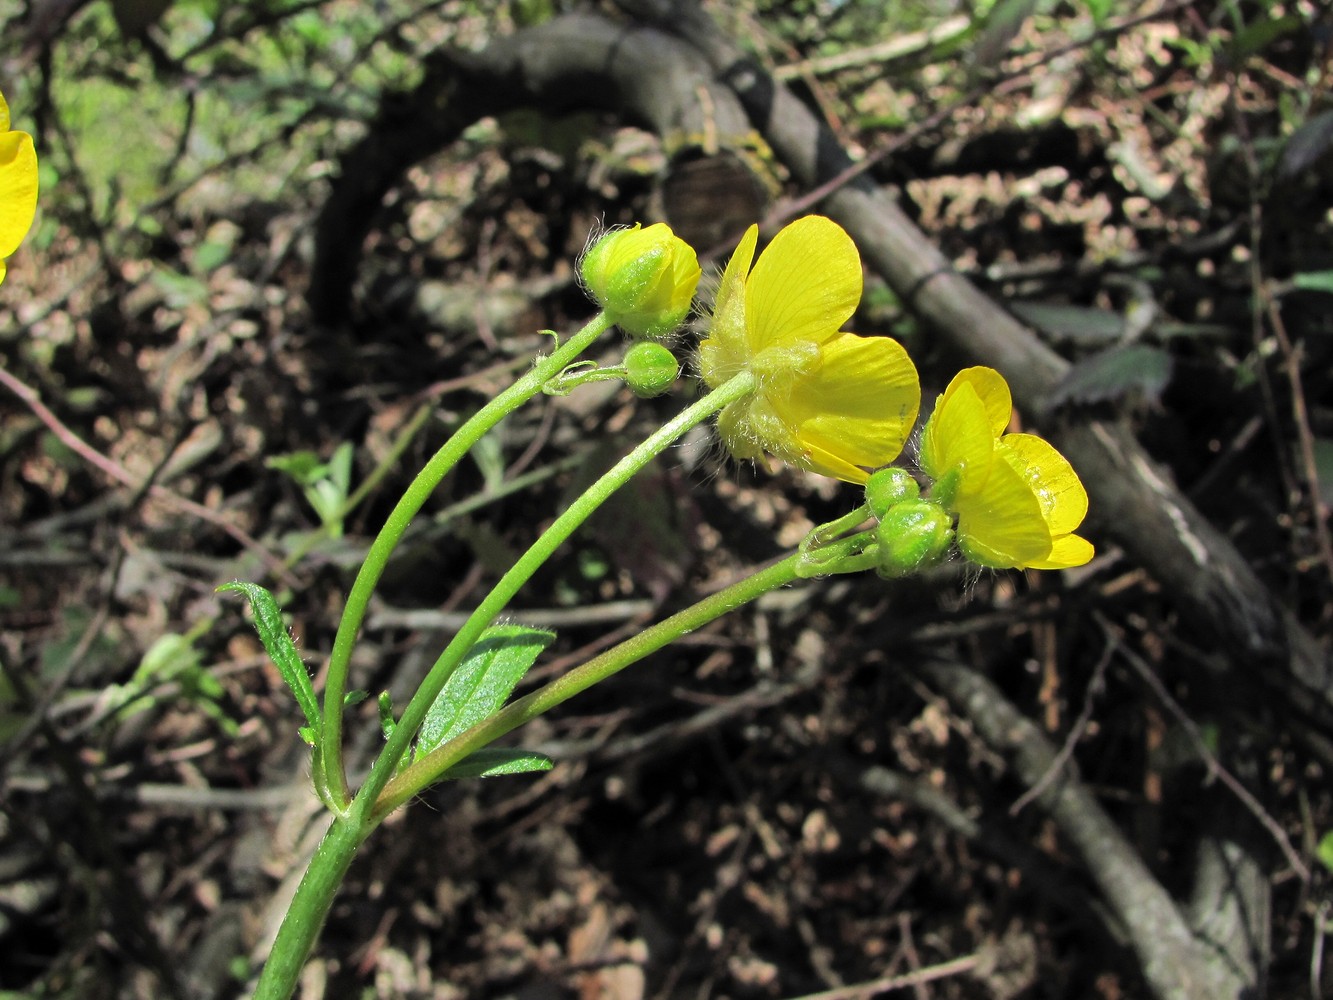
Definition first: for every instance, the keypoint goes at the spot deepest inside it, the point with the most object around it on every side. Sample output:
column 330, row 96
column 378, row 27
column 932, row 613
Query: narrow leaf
column 1256, row 37
column 278, row 642
column 1002, row 26
column 1323, row 464
column 1324, row 851
column 1115, row 373
column 1079, row 325
column 491, row 762
column 387, row 722
column 1314, row 281
column 1306, row 147
column 481, row 683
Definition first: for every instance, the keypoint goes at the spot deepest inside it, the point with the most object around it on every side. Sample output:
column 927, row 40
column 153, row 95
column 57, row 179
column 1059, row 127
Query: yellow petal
column 726, row 350
column 18, row 189
column 1002, row 526
column 805, row 286
column 1067, row 551
column 993, row 391
column 826, row 463
column 958, row 436
column 4, row 114
column 1053, row 481
column 856, row 409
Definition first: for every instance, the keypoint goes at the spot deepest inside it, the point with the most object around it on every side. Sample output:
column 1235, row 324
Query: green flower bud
column 644, row 278
column 912, row 535
column 650, row 369
column 888, row 487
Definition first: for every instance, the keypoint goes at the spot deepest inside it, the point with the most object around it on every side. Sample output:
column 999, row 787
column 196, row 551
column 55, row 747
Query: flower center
column 779, row 367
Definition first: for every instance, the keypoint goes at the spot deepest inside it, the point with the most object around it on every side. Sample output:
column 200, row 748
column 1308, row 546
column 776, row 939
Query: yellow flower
column 644, row 278
column 825, row 400
column 1017, row 499
column 18, row 186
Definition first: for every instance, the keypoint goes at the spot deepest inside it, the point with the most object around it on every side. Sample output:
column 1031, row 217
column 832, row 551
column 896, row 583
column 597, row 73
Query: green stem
column 386, row 764
column 422, row 773
column 377, row 557
column 309, row 907
column 411, row 781
column 825, row 533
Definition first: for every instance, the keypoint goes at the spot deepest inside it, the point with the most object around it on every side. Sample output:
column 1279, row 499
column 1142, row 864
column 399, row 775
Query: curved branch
column 1176, row 963
column 572, row 62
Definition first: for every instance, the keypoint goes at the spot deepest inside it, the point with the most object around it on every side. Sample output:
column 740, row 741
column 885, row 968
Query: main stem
column 309, row 907
column 332, row 777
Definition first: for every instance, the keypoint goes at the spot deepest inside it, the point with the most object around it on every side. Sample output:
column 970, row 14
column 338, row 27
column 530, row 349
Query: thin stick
column 1215, row 767
column 118, row 472
column 917, row 977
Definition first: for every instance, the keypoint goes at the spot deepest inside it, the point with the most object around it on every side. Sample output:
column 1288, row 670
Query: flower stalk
column 332, row 775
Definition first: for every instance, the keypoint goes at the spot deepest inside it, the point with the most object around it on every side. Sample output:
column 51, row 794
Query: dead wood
column 574, row 62
column 1177, row 963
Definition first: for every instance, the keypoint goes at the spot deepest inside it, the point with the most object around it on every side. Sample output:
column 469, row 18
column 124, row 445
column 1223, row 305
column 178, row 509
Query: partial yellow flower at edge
column 18, row 186
column 1017, row 498
column 825, row 400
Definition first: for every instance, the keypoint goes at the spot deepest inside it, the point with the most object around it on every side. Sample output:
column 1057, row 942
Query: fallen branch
column 1132, row 500
column 1176, row 964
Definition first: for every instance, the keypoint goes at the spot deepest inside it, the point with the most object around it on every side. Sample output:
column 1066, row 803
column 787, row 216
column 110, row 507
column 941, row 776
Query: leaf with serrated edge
column 482, row 681
column 491, row 762
column 278, row 643
column 1114, row 374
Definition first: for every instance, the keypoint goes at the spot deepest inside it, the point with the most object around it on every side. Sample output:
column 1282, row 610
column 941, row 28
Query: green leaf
column 303, row 466
column 1306, row 147
column 1115, row 373
column 1324, row 851
column 387, row 722
column 1256, row 37
column 209, row 256
column 340, row 467
column 326, row 484
column 1100, row 10
column 482, row 682
column 491, row 762
column 1314, row 281
column 1003, row 23
column 278, row 642
column 488, row 453
column 1323, row 464
column 179, row 290
column 169, row 656
column 1079, row 325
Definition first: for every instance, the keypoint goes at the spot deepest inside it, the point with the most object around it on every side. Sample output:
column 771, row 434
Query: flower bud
column 644, row 278
column 912, row 535
column 650, row 369
column 888, row 487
